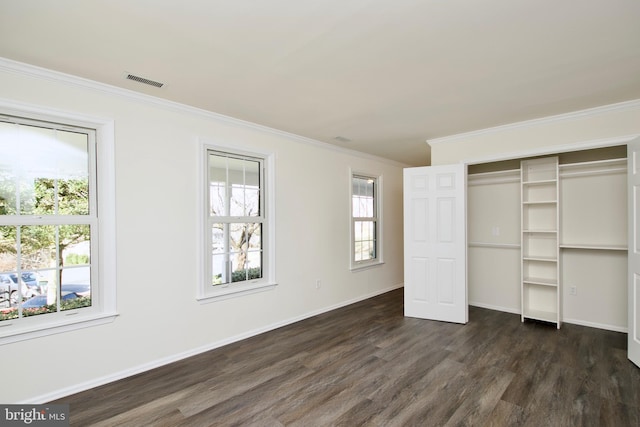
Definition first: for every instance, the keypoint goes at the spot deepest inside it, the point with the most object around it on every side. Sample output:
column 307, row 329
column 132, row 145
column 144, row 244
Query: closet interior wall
column 592, row 240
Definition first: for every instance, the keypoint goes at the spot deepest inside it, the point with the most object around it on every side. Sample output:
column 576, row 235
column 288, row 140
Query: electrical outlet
column 573, row 290
column 317, row 283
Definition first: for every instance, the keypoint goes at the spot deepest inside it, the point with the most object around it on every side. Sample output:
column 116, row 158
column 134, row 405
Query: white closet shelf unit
column 540, row 271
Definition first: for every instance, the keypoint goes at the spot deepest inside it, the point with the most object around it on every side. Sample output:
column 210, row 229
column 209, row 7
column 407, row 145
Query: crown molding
column 11, row 66
column 589, row 112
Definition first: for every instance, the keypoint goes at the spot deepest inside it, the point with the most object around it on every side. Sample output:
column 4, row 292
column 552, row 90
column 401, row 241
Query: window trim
column 379, row 260
column 104, row 292
column 206, row 293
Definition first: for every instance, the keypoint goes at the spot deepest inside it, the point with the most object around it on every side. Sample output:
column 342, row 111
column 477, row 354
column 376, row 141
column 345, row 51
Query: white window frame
column 378, row 203
column 102, row 182
column 206, row 292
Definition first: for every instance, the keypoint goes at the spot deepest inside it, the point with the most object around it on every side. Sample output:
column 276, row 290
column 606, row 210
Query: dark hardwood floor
column 366, row 364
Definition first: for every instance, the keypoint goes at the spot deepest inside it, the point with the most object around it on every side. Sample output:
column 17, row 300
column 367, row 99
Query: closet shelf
column 545, row 316
column 540, row 282
column 494, row 245
column 594, row 247
column 540, row 182
column 595, row 163
column 540, row 231
column 540, row 202
column 539, row 258
column 497, row 177
column 598, row 167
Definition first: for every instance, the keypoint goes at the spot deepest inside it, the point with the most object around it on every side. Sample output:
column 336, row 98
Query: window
column 365, row 220
column 236, row 224
column 49, row 227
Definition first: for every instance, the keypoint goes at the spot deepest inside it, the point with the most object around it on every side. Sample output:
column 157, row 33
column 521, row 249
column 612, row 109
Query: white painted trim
column 495, row 307
column 597, row 325
column 53, row 328
column 235, row 291
column 589, row 112
column 58, row 77
column 203, row 292
column 77, row 388
column 379, row 198
column 105, row 309
column 571, row 321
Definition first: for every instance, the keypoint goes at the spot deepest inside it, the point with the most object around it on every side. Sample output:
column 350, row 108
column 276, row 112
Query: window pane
column 8, row 178
column 236, row 252
column 8, row 248
column 218, row 185
column 9, row 293
column 75, row 291
column 220, row 251
column 73, row 196
column 242, row 236
column 252, row 188
column 217, row 199
column 73, row 173
column 48, row 168
column 365, row 240
column 363, row 197
column 245, row 201
column 219, row 270
column 244, row 180
column 234, row 186
column 38, row 281
column 41, row 304
column 75, row 244
column 37, row 247
column 8, row 198
column 254, row 254
column 218, row 232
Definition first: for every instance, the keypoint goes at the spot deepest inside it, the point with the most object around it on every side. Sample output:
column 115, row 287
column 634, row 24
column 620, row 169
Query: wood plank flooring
column 367, row 365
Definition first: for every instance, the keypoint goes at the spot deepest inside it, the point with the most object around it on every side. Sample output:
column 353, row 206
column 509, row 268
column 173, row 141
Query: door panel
column 633, row 296
column 435, row 243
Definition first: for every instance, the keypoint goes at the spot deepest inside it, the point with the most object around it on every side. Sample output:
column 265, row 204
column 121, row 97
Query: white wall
column 555, row 133
column 493, row 258
column 156, row 184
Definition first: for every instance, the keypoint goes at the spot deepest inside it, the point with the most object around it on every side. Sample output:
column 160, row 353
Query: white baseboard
column 77, row 388
column 495, row 307
column 597, row 325
column 571, row 321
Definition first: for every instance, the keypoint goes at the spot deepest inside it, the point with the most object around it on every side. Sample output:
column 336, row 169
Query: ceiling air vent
column 342, row 139
column 143, row 80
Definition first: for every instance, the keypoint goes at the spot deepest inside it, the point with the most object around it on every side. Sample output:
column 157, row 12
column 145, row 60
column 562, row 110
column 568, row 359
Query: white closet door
column 633, row 295
column 435, row 278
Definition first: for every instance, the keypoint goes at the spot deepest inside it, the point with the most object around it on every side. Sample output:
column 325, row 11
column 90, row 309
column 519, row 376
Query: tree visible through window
column 236, row 217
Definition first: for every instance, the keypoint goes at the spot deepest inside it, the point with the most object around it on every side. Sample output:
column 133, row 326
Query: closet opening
column 547, row 237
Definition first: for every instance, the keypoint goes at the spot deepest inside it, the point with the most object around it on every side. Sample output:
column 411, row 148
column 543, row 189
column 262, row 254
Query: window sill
column 365, row 266
column 11, row 335
column 233, row 291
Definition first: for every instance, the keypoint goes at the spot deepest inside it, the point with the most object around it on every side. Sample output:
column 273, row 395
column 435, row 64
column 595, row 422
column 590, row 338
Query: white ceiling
column 386, row 74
